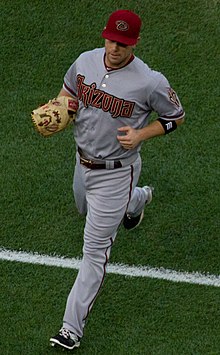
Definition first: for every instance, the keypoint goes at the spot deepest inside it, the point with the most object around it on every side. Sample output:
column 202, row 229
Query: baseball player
column 117, row 92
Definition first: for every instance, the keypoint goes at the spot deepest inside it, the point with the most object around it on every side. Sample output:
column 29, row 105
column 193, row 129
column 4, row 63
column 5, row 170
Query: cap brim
column 117, row 38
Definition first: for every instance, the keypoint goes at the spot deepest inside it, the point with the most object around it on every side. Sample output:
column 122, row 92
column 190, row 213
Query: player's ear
column 134, row 46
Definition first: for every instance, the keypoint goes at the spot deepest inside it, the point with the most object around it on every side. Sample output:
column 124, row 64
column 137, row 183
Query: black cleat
column 133, row 222
column 65, row 339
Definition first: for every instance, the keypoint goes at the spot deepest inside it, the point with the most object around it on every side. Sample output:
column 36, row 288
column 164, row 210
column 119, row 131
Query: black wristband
column 168, row 126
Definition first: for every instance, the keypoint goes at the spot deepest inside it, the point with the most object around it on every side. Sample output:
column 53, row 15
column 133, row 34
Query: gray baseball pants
column 104, row 196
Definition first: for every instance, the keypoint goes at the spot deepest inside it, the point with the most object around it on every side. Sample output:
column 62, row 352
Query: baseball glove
column 55, row 115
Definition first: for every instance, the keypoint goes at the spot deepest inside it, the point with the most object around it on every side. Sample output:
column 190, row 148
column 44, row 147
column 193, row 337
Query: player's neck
column 110, row 66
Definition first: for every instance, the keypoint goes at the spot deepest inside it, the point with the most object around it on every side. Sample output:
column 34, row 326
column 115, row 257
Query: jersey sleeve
column 165, row 102
column 70, row 84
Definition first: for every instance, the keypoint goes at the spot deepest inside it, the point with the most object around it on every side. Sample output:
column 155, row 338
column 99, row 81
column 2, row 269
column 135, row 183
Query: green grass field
column 180, row 231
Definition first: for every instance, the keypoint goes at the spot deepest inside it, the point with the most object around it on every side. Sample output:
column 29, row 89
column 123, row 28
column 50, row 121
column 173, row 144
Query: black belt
column 94, row 164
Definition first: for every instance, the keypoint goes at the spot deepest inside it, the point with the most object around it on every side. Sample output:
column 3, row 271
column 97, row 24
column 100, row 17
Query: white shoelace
column 67, row 334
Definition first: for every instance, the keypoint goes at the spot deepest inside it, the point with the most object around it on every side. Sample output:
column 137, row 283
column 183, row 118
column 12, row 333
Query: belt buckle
column 85, row 162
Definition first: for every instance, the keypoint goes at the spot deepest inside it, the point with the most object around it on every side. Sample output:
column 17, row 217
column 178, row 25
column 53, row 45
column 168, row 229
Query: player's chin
column 114, row 59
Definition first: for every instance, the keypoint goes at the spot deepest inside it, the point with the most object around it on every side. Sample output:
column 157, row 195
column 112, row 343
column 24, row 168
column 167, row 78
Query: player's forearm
column 154, row 129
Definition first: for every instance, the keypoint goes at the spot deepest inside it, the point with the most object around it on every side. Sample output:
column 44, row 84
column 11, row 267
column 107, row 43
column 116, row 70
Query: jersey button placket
column 104, row 83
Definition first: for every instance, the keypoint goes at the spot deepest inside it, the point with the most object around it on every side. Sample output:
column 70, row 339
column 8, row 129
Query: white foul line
column 120, row 269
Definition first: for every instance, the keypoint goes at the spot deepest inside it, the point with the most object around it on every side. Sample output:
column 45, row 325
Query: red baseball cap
column 123, row 26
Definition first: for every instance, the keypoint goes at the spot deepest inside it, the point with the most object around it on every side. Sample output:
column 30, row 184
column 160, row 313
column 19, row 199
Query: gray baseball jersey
column 110, row 99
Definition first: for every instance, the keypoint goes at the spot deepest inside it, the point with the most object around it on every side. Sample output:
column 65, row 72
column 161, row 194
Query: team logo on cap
column 121, row 25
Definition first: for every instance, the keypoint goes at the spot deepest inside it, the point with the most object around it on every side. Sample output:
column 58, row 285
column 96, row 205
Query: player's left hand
column 131, row 137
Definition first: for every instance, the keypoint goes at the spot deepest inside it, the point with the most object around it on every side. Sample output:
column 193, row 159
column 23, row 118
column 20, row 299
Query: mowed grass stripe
column 120, row 269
